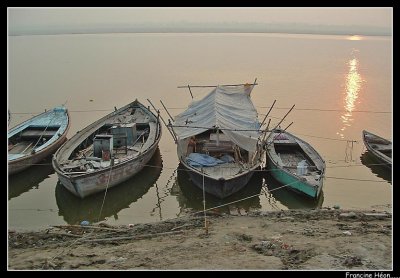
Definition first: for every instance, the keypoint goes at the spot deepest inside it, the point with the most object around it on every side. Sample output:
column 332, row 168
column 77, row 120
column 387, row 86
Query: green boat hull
column 293, row 182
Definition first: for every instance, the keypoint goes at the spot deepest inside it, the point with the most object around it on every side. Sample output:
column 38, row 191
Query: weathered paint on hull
column 18, row 165
column 219, row 188
column 91, row 184
column 294, row 183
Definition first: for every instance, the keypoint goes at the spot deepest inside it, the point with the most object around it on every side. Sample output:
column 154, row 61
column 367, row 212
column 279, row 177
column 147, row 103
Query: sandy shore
column 296, row 239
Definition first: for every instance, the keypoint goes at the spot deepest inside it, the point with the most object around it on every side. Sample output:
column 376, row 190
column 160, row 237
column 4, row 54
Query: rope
column 336, row 139
column 205, row 127
column 255, row 170
column 252, row 196
column 204, row 206
column 105, row 193
column 33, row 148
column 178, row 108
column 357, row 165
column 330, row 110
column 66, row 248
column 339, row 178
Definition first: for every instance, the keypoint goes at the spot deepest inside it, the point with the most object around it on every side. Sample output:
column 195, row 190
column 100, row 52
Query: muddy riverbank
column 294, row 239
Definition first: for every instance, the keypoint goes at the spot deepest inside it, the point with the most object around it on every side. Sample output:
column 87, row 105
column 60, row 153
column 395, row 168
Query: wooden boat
column 74, row 209
column 295, row 163
column 217, row 140
column 35, row 139
column 109, row 151
column 190, row 196
column 379, row 147
column 276, row 196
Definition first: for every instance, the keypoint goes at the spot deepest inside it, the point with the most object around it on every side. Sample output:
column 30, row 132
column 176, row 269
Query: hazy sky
column 36, row 17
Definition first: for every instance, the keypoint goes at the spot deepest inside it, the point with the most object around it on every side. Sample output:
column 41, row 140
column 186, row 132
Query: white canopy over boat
column 228, row 108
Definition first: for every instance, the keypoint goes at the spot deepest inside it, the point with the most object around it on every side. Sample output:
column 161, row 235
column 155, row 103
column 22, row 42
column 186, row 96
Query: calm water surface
column 340, row 85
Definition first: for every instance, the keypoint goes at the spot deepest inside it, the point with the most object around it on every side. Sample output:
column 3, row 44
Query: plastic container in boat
column 302, row 168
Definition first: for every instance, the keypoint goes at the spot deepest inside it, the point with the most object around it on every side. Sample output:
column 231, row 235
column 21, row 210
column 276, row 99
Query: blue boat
column 295, row 163
column 35, row 139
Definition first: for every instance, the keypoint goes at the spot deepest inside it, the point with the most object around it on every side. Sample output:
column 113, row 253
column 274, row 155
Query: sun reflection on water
column 354, row 38
column 353, row 87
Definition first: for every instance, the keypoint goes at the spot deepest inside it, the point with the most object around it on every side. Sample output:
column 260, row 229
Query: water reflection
column 287, row 197
column 376, row 166
column 74, row 209
column 190, row 196
column 29, row 178
column 353, row 86
column 355, row 38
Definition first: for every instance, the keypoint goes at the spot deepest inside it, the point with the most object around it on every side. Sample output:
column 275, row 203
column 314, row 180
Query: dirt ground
column 297, row 239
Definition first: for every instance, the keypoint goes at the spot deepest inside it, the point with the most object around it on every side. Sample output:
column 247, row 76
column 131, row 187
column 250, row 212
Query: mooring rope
column 204, row 205
column 252, row 196
column 105, row 193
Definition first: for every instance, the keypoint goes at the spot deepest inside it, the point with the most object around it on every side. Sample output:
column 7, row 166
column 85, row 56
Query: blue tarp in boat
column 199, row 160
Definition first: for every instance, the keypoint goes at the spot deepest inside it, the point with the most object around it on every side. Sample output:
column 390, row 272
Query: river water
column 339, row 84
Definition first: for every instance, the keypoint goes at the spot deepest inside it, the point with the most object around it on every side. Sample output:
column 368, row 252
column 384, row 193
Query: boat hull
column 293, row 182
column 85, row 183
column 220, row 188
column 379, row 157
column 18, row 165
column 55, row 118
column 89, row 184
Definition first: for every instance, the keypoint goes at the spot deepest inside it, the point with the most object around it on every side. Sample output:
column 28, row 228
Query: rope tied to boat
column 105, row 193
column 37, row 142
column 204, row 205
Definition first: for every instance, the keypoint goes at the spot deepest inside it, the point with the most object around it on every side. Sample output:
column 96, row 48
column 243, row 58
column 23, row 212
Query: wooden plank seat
column 29, row 133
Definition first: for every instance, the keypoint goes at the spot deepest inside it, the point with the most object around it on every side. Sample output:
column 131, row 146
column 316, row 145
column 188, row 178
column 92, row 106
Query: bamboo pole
column 266, row 130
column 173, row 131
column 284, row 116
column 166, row 110
column 268, row 112
column 281, row 131
column 172, row 134
column 190, row 91
column 269, row 121
column 158, row 121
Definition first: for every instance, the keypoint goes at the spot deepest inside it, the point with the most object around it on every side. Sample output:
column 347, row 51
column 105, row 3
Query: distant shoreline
column 202, row 32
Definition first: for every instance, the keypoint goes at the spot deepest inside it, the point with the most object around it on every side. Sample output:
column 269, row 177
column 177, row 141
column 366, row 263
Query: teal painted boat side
column 294, row 183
